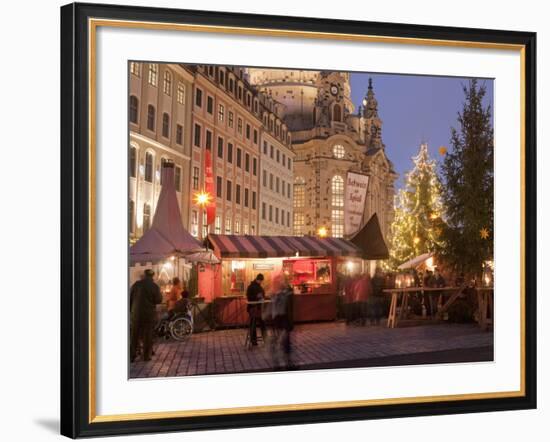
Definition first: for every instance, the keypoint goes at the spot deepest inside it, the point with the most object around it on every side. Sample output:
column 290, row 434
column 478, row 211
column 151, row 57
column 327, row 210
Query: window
column 230, row 84
column 210, row 105
column 247, row 162
column 270, row 213
column 271, row 151
column 134, row 68
column 165, row 125
column 248, row 101
column 238, row 194
column 252, row 229
column 253, row 200
column 219, row 190
column 263, row 210
column 246, row 197
column 284, row 160
column 254, row 166
column 131, row 210
column 237, row 227
column 149, row 167
column 288, row 219
column 337, row 219
column 265, row 147
column 283, row 187
column 146, row 217
column 222, row 77
column 276, row 215
column 239, row 155
column 162, row 163
column 282, row 217
column 195, row 223
column 196, row 178
column 337, row 190
column 221, row 112
column 248, row 131
column 278, row 155
column 255, row 136
column 277, row 185
column 167, row 83
column 338, row 151
column 228, row 225
column 245, row 229
column 132, row 163
column 230, row 153
column 208, row 139
column 220, row 147
column 298, row 223
column 337, row 113
column 198, row 97
column 270, row 181
column 177, row 178
column 240, row 93
column 197, row 135
column 299, row 192
column 264, row 178
column 228, row 190
column 288, row 191
column 204, row 224
column 153, row 70
column 240, row 125
column 230, row 119
column 134, row 104
column 179, row 134
column 151, row 117
column 181, row 93
column 218, row 225
column 289, row 166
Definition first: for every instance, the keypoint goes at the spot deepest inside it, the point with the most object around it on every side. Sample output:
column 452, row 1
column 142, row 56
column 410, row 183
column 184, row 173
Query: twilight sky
column 412, row 109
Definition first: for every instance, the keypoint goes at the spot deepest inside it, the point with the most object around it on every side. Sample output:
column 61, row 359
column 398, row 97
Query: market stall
column 311, row 265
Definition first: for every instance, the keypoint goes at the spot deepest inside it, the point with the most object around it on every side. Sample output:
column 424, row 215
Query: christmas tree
column 468, row 194
column 417, row 224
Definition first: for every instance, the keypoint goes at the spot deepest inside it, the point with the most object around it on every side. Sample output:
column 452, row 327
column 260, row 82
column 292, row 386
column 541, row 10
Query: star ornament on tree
column 484, row 233
column 442, row 150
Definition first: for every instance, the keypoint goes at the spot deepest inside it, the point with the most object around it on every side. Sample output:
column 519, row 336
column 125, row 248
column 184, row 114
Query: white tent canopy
column 415, row 262
column 166, row 237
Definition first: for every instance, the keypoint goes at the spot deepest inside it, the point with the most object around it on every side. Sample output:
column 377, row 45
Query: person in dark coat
column 144, row 296
column 377, row 304
column 254, row 293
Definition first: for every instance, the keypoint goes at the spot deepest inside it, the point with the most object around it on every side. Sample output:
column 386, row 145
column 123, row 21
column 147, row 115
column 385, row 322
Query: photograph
column 286, row 219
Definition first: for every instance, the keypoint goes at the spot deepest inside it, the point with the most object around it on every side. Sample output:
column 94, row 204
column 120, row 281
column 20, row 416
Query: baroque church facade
column 330, row 139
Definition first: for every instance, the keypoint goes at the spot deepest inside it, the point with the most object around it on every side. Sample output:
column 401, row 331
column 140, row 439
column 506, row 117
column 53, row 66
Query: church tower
column 371, row 124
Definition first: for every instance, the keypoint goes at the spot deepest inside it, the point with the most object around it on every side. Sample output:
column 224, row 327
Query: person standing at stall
column 145, row 295
column 254, row 293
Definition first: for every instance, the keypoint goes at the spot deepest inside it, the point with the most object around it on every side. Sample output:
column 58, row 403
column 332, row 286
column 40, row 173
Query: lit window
column 237, row 227
column 167, row 83
column 134, row 68
column 181, row 93
column 195, row 223
column 221, row 112
column 228, row 225
column 177, row 178
column 298, row 223
column 337, row 188
column 337, row 223
column 153, row 70
column 230, row 119
column 218, row 224
column 196, row 178
column 240, row 125
column 338, row 151
column 299, row 192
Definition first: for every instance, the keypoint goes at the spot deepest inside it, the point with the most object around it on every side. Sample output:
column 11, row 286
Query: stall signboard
column 263, row 266
column 356, row 196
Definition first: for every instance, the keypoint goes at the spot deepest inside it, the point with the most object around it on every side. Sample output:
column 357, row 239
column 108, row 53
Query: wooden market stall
column 310, row 264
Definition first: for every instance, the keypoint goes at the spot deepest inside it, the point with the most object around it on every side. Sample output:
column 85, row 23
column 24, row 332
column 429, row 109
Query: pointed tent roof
column 371, row 241
column 167, row 235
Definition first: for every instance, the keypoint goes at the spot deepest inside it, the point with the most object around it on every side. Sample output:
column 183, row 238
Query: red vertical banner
column 209, row 187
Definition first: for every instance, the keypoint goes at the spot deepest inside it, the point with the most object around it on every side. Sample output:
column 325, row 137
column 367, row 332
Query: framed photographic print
column 281, row 220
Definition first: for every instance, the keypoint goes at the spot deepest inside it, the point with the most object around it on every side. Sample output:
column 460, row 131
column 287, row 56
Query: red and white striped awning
column 250, row 246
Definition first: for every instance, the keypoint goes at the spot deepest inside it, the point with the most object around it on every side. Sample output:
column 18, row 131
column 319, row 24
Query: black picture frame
column 75, row 220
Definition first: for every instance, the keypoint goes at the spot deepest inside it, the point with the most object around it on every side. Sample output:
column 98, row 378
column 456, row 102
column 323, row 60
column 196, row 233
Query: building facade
column 329, row 140
column 159, row 117
column 277, row 172
column 227, row 121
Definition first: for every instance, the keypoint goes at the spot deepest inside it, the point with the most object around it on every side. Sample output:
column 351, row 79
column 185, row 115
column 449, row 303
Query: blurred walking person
column 282, row 304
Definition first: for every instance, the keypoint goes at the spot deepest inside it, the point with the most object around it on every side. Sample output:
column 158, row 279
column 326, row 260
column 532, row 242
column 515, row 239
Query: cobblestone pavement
column 223, row 351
